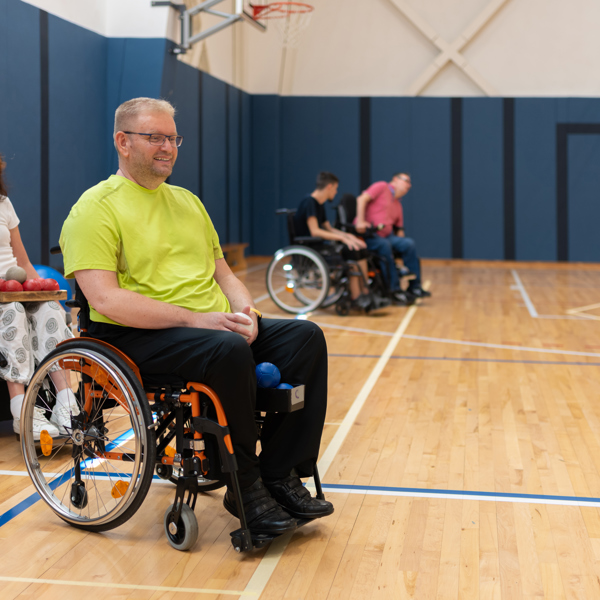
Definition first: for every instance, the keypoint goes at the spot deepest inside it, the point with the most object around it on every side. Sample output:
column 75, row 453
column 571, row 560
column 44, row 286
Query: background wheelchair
column 97, row 474
column 346, row 213
column 310, row 273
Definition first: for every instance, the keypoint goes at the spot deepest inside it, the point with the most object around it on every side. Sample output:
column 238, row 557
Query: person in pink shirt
column 379, row 206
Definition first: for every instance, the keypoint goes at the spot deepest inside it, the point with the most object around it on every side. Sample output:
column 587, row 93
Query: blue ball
column 285, row 386
column 50, row 273
column 267, row 375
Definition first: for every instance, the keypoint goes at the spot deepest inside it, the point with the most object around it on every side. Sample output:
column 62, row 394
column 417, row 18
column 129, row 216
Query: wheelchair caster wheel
column 79, row 497
column 164, row 471
column 183, row 534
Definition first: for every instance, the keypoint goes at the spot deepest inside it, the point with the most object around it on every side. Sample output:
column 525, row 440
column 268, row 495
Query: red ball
column 2, row 282
column 50, row 285
column 13, row 286
column 31, row 285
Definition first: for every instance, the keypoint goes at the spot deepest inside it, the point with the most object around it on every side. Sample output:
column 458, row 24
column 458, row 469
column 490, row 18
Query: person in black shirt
column 311, row 220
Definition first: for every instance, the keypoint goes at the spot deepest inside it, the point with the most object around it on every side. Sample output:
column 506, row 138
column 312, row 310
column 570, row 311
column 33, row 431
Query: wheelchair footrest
column 241, row 540
column 275, row 400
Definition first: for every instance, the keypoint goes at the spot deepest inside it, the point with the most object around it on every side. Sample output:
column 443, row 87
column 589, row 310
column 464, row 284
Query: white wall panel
column 369, row 48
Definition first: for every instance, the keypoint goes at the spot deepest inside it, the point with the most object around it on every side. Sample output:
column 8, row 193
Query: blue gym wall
column 493, row 178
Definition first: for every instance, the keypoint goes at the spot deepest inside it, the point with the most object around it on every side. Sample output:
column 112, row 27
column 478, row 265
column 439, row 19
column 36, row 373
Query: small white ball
column 249, row 326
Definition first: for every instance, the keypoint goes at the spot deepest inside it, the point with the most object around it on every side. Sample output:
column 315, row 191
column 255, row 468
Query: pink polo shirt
column 383, row 209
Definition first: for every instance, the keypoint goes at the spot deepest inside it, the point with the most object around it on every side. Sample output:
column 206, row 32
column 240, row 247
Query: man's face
column 150, row 164
column 332, row 189
column 401, row 184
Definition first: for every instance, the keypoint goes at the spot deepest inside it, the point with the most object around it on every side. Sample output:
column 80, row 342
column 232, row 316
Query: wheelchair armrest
column 304, row 240
column 274, row 400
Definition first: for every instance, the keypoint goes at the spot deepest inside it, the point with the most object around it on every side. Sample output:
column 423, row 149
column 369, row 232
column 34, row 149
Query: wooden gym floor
column 461, row 452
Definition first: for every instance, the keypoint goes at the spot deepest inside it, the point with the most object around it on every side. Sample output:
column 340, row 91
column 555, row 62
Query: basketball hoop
column 292, row 18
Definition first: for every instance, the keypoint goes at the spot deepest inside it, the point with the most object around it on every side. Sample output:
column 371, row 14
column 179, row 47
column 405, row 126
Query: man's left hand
column 246, row 310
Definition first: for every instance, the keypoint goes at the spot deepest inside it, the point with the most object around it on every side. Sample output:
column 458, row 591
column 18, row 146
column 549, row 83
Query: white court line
column 461, row 342
column 502, row 346
column 251, row 269
column 267, row 296
column 126, row 586
column 524, row 295
column 529, row 304
column 267, row 566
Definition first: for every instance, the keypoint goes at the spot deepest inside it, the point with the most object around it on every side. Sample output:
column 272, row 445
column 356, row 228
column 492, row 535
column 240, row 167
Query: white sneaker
column 61, row 417
column 40, row 422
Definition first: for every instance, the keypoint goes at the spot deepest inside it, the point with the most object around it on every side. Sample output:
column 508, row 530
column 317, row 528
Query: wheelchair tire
column 97, row 473
column 183, row 534
column 298, row 279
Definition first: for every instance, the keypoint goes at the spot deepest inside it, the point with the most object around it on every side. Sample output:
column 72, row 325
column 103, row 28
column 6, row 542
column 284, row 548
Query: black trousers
column 224, row 361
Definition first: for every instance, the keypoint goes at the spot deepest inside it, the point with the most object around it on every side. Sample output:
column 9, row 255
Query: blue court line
column 493, row 360
column 22, row 506
column 460, row 494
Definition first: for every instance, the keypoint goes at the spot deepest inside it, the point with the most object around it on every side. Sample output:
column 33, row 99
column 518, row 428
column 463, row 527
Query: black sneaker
column 263, row 514
column 296, row 500
column 403, row 298
column 419, row 292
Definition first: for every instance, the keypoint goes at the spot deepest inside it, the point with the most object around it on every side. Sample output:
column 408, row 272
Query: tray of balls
column 15, row 287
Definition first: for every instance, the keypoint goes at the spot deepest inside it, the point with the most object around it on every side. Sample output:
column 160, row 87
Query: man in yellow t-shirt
column 148, row 259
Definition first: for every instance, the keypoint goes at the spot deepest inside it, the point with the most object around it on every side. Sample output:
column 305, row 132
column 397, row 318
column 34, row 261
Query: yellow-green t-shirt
column 161, row 243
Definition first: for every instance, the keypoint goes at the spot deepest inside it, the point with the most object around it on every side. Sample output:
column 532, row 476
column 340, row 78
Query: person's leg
column 290, row 441
column 357, row 277
column 16, row 348
column 406, row 247
column 48, row 328
column 383, row 248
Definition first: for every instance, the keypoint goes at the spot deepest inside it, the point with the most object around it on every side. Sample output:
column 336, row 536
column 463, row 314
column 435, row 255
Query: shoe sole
column 258, row 530
column 305, row 517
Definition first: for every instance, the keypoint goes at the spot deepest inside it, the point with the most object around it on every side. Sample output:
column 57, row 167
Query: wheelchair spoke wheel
column 97, row 471
column 298, row 279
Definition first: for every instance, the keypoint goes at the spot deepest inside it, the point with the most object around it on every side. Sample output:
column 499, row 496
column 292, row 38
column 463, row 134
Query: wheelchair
column 96, row 476
column 310, row 274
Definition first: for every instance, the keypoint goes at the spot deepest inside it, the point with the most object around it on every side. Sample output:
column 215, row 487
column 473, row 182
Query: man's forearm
column 361, row 205
column 236, row 292
column 135, row 310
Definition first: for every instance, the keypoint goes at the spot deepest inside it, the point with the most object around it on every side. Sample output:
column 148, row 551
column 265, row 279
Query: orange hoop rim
column 279, row 10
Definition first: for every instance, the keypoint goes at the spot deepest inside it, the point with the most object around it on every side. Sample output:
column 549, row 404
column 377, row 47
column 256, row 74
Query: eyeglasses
column 157, row 139
column 404, row 178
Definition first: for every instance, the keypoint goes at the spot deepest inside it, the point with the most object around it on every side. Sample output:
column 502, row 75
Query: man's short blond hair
column 129, row 110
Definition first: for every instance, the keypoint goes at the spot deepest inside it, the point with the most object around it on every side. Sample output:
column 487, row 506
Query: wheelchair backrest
column 289, row 212
column 346, row 210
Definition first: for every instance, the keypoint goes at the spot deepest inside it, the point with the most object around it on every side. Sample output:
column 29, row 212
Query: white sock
column 16, row 402
column 66, row 398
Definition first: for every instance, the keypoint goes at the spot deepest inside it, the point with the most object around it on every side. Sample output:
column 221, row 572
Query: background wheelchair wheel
column 183, row 534
column 298, row 279
column 97, row 473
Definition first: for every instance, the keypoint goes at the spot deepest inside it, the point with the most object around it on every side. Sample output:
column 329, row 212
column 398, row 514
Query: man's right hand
column 362, row 226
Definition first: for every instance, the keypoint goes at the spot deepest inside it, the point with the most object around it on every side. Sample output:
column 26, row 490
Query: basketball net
column 290, row 19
